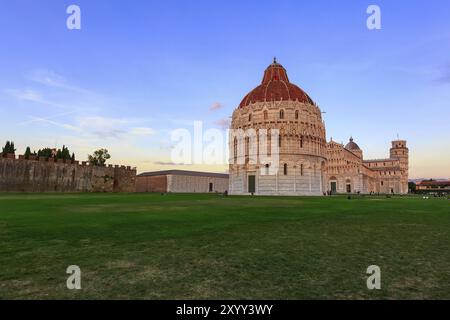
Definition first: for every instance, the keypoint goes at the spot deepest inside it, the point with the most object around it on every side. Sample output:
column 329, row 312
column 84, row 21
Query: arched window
column 247, row 150
column 301, row 169
column 301, row 142
column 250, row 117
column 267, row 169
column 235, row 144
column 296, row 115
column 285, row 169
column 266, row 116
column 247, row 146
column 279, row 141
column 281, row 114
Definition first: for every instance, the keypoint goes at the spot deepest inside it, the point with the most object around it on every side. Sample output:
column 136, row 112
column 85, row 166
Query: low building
column 181, row 181
column 433, row 186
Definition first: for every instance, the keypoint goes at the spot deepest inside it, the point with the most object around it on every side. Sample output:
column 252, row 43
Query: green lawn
column 149, row 246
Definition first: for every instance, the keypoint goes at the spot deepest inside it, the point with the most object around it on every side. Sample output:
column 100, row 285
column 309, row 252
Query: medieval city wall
column 43, row 175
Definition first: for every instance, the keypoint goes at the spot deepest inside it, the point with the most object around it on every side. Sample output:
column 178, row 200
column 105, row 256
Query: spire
column 275, row 72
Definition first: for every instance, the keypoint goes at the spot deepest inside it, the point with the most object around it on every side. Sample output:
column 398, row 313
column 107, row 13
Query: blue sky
column 139, row 69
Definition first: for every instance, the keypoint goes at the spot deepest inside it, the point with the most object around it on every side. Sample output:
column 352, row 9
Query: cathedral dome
column 352, row 145
column 275, row 86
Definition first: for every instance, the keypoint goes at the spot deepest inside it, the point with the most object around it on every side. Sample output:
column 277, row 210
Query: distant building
column 181, row 181
column 433, row 186
column 348, row 172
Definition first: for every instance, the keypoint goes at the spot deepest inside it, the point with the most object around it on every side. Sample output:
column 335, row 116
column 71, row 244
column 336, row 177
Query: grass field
column 147, row 246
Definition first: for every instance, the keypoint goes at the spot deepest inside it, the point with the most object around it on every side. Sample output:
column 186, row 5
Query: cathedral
column 278, row 146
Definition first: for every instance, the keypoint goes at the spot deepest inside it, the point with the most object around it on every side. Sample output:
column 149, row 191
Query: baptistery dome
column 275, row 86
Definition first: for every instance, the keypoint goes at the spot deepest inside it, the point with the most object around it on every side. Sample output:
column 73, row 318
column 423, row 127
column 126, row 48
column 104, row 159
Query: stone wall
column 300, row 179
column 43, row 175
column 151, row 183
column 196, row 184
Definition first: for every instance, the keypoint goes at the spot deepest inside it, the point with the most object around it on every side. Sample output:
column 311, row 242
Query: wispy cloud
column 223, row 123
column 37, row 119
column 73, row 99
column 58, row 124
column 215, row 106
column 102, row 122
column 108, row 127
column 96, row 126
column 162, row 163
column 142, row 131
column 33, row 96
column 50, row 78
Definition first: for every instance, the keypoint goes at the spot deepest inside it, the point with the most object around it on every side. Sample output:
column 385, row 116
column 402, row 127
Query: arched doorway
column 348, row 186
column 333, row 185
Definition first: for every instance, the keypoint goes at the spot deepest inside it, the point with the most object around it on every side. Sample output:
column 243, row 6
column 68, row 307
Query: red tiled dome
column 275, row 86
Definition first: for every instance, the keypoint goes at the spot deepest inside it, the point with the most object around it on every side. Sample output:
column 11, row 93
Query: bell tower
column 400, row 151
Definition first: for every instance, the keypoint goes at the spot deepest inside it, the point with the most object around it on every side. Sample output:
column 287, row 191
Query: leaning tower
column 401, row 152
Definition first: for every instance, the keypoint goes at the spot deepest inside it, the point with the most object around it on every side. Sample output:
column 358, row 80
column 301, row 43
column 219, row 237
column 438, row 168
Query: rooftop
column 184, row 173
column 276, row 86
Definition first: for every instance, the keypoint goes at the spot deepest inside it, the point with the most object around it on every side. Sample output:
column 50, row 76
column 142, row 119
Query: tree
column 27, row 153
column 6, row 148
column 99, row 157
column 45, row 153
column 64, row 153
column 412, row 187
column 9, row 148
column 73, row 157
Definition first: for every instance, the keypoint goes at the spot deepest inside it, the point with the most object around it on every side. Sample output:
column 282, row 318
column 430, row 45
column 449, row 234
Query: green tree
column 65, row 153
column 8, row 148
column 412, row 187
column 45, row 153
column 27, row 153
column 99, row 157
column 73, row 157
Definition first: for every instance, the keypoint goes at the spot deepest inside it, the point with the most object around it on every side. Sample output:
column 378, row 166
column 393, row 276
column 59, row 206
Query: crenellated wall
column 46, row 175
